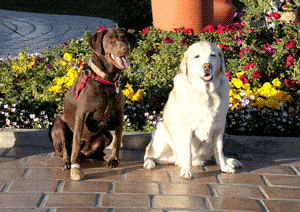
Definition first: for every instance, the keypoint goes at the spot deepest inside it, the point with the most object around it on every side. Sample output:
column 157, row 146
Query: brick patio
column 32, row 179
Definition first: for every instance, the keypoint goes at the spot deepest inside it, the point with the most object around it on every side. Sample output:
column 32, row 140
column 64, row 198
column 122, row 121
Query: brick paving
column 35, row 181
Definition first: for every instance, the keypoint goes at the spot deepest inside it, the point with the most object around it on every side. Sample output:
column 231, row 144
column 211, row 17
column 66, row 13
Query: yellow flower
column 276, row 82
column 138, row 95
column 240, row 74
column 237, row 82
column 129, row 102
column 246, row 86
column 20, row 54
column 68, row 57
column 260, row 102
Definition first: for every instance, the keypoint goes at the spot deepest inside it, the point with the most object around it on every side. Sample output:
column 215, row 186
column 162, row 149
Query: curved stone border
column 235, row 145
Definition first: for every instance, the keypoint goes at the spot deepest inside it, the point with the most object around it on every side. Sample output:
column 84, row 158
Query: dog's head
column 112, row 44
column 204, row 64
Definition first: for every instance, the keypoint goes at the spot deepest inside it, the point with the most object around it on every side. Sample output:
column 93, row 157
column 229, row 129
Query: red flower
column 81, row 62
column 274, row 16
column 243, row 79
column 168, row 40
column 144, row 31
column 156, row 46
column 220, row 29
column 210, row 28
column 249, row 65
column 256, row 74
column 289, row 83
column 246, row 50
column 188, row 30
column 99, row 28
column 228, row 74
column 289, row 60
column 278, row 40
column 250, row 30
column 184, row 41
column 289, row 44
column 224, row 47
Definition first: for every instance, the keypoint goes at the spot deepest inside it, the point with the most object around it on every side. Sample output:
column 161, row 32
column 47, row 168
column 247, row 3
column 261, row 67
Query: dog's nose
column 206, row 66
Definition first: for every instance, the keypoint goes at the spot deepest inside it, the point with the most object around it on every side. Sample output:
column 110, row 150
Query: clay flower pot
column 170, row 14
column 223, row 12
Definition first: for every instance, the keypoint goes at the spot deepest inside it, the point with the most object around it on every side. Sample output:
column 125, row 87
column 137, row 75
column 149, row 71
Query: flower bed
column 262, row 65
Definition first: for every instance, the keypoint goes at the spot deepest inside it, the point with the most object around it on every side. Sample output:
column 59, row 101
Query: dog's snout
column 206, row 66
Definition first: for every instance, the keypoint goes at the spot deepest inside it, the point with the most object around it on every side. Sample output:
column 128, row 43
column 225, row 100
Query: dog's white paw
column 230, row 165
column 186, row 173
column 227, row 169
column 149, row 164
column 234, row 163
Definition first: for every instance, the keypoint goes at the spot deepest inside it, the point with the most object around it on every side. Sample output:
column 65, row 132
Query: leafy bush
column 262, row 65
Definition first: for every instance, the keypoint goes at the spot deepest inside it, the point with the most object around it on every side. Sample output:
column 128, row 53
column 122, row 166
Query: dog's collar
column 96, row 69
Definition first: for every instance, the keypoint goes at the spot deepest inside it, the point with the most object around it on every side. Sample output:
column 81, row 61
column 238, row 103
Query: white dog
column 195, row 114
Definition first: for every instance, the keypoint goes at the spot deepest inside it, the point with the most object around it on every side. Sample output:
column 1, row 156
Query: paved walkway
column 32, row 179
column 45, row 29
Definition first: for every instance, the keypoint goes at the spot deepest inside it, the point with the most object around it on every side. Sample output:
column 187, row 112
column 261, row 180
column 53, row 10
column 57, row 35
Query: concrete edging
column 233, row 144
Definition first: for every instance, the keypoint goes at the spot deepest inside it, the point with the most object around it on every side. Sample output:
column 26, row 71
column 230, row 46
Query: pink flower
column 168, row 40
column 256, row 74
column 156, row 46
column 249, row 66
column 246, row 50
column 99, row 28
column 289, row 60
column 289, row 83
column 243, row 79
column 224, row 47
column 210, row 28
column 250, row 30
column 289, row 44
column 274, row 16
column 220, row 29
column 184, row 41
column 146, row 30
column 228, row 74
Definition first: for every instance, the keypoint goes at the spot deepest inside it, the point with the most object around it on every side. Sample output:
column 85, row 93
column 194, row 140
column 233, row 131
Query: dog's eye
column 197, row 56
column 111, row 40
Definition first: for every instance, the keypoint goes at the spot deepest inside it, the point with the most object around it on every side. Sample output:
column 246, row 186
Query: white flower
column 125, row 117
column 147, row 106
column 13, row 105
column 133, row 108
column 252, row 97
column 7, row 121
column 6, row 114
column 146, row 114
column 5, row 106
column 42, row 112
column 13, row 109
column 32, row 116
column 151, row 117
column 36, row 119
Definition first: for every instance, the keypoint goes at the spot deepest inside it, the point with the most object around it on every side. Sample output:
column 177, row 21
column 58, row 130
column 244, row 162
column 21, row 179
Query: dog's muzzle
column 207, row 68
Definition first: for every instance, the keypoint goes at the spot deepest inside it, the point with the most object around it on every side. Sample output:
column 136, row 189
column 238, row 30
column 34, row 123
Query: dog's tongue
column 121, row 61
column 207, row 77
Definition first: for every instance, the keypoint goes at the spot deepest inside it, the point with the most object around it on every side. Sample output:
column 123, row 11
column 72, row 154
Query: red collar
column 98, row 79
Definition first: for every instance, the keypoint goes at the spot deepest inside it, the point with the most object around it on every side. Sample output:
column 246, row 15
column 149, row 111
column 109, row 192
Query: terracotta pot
column 170, row 14
column 223, row 12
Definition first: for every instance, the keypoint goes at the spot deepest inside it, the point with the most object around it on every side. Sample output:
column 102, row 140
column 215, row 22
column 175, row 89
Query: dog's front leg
column 115, row 156
column 76, row 172
column 226, row 164
column 183, row 145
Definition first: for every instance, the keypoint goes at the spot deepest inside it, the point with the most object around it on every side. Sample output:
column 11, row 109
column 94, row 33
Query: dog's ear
column 183, row 64
column 222, row 70
column 95, row 41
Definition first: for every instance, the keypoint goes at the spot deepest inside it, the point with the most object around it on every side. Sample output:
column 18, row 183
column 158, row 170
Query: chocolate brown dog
column 79, row 130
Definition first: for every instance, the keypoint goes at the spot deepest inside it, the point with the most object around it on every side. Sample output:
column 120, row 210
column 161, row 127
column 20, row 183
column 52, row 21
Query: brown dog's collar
column 96, row 69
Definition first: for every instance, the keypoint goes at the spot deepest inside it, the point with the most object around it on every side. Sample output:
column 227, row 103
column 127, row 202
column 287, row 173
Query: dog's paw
column 112, row 162
column 227, row 169
column 76, row 173
column 67, row 165
column 231, row 165
column 234, row 163
column 186, row 173
column 149, row 164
